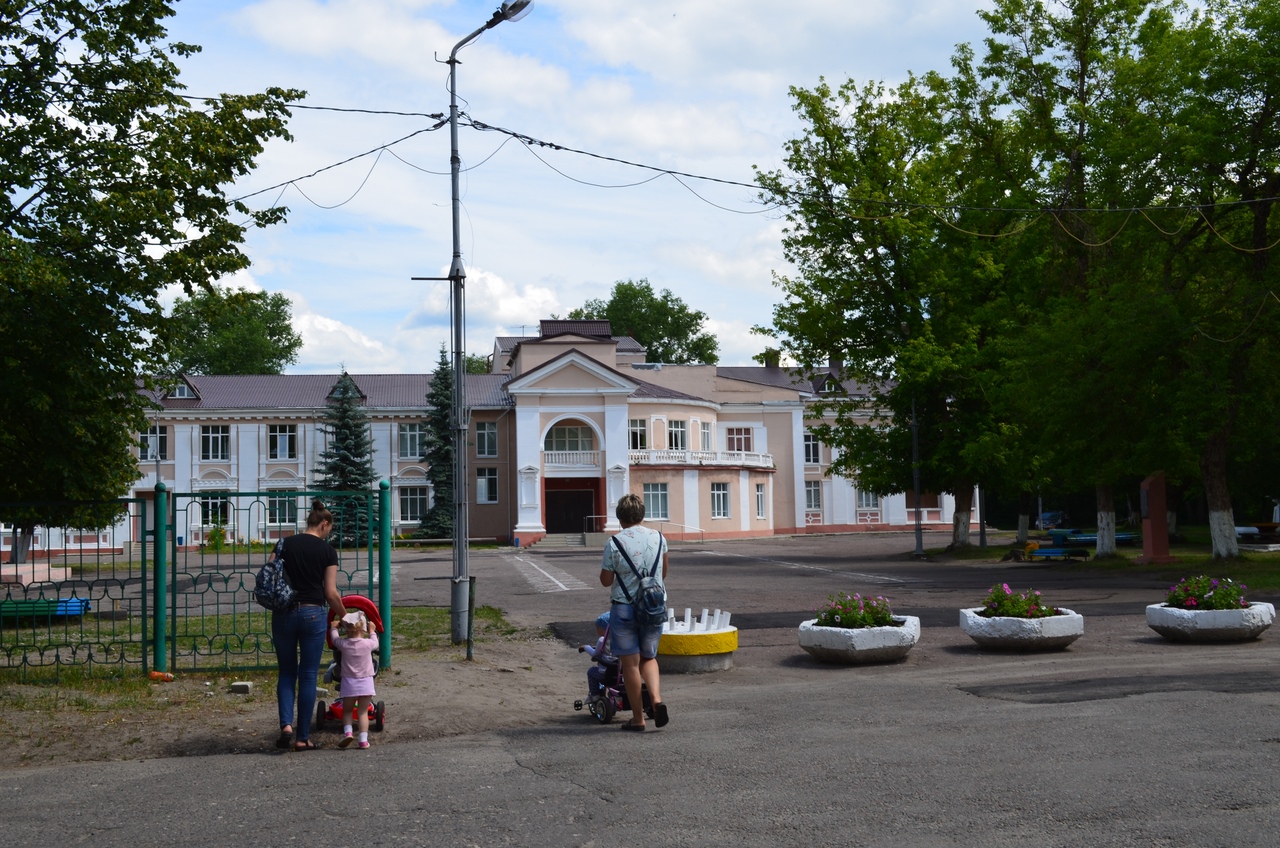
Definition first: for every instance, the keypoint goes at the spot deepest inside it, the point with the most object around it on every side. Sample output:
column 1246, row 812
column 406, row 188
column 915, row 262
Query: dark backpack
column 651, row 598
column 272, row 589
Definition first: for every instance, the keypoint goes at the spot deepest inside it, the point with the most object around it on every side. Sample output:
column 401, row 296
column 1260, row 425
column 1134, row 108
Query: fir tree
column 438, row 522
column 346, row 465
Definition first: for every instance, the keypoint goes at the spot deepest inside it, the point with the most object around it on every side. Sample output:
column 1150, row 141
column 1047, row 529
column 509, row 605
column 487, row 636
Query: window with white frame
column 868, row 500
column 719, row 500
column 182, row 391
column 153, row 444
column 655, row 502
column 738, row 439
column 414, row 502
column 638, row 433
column 413, row 441
column 813, row 495
column 705, row 443
column 486, row 485
column 215, row 442
column 762, row 503
column 282, row 441
column 282, row 507
column 677, row 435
column 812, row 449
column 486, row 438
column 569, row 438
column 214, row 509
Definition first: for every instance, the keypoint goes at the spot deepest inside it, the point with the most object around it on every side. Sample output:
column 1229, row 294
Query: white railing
column 688, row 457
column 575, row 459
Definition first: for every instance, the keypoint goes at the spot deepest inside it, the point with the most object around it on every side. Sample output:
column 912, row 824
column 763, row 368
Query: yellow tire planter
column 696, row 646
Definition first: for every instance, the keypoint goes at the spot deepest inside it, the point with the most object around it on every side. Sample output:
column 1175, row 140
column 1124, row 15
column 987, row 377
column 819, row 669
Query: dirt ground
column 426, row 696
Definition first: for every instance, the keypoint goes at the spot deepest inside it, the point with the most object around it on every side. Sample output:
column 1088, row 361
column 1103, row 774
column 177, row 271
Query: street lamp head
column 514, row 10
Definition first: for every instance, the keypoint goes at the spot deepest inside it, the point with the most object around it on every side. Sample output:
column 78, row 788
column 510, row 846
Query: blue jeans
column 299, row 639
column 628, row 636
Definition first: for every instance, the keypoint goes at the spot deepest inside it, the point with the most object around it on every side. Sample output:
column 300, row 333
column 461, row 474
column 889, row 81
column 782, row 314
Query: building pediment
column 571, row 373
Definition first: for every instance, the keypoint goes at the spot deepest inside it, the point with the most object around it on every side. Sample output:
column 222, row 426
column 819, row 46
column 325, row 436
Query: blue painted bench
column 42, row 608
column 1061, row 553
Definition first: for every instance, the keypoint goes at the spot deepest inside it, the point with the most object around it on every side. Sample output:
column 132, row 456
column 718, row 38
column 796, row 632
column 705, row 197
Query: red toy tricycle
column 333, row 712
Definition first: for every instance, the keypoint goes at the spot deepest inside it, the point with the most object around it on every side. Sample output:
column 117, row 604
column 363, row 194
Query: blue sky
column 693, row 86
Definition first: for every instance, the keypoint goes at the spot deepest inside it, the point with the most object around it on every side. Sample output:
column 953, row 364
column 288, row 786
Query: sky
column 694, row 86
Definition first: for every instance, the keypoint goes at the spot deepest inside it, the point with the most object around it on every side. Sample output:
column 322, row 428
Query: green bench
column 12, row 609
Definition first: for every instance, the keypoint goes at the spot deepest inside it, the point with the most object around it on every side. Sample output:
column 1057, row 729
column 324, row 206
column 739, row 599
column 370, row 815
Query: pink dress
column 356, row 665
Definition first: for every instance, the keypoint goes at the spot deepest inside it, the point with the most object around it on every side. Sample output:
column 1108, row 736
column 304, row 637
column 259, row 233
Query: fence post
column 384, row 571
column 160, row 547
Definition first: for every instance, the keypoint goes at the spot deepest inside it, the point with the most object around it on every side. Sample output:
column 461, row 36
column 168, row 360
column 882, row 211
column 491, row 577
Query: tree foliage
column 669, row 330
column 346, row 463
column 112, row 187
column 438, row 522
column 217, row 331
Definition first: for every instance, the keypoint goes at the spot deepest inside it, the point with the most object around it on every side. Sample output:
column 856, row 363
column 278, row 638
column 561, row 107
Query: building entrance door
column 567, row 509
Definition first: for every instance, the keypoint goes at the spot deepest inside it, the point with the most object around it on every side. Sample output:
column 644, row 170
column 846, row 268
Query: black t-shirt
column 305, row 559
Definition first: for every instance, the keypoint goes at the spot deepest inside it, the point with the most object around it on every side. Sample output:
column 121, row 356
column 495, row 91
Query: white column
column 528, row 465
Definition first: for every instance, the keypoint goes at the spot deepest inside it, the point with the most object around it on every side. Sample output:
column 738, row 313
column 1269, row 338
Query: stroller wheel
column 321, row 711
column 602, row 709
column 379, row 713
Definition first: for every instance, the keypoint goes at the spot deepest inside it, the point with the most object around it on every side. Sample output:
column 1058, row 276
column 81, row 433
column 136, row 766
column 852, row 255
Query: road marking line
column 539, row 577
column 860, row 575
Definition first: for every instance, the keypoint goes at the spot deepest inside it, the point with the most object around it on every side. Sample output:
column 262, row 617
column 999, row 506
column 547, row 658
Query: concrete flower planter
column 1233, row 625
column 859, row 645
column 1022, row 634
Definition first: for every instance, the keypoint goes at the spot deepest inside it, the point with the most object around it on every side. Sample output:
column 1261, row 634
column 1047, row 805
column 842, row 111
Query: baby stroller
column 607, row 692
column 333, row 712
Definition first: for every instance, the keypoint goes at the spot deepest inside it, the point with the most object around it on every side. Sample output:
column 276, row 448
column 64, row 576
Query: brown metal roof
column 311, row 391
column 581, row 327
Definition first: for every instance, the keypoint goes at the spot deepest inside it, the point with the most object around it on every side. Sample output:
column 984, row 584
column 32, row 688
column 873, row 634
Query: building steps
column 554, row 541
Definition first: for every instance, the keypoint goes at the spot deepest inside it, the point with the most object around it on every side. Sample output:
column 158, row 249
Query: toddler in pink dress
column 355, row 640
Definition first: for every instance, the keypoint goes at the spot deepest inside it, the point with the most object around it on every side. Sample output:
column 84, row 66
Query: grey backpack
column 651, row 598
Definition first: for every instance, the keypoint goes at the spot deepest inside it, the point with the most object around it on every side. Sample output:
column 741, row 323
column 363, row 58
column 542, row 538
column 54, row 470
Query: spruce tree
column 438, row 522
column 346, row 465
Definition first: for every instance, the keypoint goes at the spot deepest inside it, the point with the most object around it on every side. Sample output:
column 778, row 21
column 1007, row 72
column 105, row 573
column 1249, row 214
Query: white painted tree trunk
column 1106, row 522
column 960, row 528
column 1222, row 530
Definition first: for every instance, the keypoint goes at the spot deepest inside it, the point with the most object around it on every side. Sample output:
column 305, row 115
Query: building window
column 414, row 503
column 486, row 485
column 569, row 439
column 719, row 500
column 215, row 442
column 182, row 390
column 655, row 501
column 677, row 436
column 868, row 500
column 282, row 508
column 738, row 439
column 706, row 442
column 638, row 433
column 812, row 449
column 762, row 504
column 214, row 510
column 412, row 441
column 153, row 444
column 282, row 441
column 487, row 438
column 813, row 495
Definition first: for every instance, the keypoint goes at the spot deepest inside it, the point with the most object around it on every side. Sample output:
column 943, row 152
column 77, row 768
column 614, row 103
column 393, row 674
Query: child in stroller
column 376, row 712
column 606, row 693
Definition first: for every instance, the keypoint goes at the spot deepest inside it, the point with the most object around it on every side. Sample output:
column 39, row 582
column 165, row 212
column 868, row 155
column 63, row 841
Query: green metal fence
column 169, row 588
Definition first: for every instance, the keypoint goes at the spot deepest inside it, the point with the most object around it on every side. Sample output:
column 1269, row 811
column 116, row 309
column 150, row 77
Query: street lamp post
column 512, row 10
column 915, row 478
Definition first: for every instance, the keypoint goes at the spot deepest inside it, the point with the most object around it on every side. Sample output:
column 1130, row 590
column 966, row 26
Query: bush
column 1003, row 601
column 1203, row 593
column 852, row 611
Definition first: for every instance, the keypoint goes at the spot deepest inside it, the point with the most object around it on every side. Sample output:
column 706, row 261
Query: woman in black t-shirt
column 312, row 566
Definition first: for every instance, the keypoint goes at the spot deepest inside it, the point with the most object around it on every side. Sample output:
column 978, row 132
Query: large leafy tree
column 217, row 331
column 668, row 328
column 438, row 522
column 112, row 186
column 346, row 464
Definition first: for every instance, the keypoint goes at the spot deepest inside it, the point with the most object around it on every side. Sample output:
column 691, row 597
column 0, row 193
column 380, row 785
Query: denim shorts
column 628, row 637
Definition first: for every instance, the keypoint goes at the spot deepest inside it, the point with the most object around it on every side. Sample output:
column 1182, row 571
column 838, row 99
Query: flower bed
column 1205, row 609
column 853, row 630
column 1020, row 621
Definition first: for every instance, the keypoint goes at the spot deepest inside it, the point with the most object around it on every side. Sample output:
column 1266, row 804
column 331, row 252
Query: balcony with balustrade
column 733, row 459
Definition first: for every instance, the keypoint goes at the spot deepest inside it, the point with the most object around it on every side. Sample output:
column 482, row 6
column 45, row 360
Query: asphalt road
column 1123, row 739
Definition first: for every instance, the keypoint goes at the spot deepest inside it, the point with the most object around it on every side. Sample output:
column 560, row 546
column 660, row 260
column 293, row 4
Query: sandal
column 307, row 745
column 660, row 717
column 638, row 728
column 284, row 740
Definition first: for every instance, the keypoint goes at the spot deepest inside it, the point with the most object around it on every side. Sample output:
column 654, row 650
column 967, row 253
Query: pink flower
column 1007, row 590
column 1191, row 602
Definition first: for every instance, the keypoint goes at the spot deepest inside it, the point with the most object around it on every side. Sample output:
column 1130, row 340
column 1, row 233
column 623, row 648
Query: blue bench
column 42, row 608
column 1061, row 553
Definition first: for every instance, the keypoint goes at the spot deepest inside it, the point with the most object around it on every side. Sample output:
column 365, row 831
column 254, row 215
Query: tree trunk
column 1213, row 472
column 1106, row 521
column 1024, row 517
column 21, row 548
column 963, row 514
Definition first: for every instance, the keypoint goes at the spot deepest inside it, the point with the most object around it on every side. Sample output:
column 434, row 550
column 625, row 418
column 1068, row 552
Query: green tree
column 669, row 330
column 346, row 465
column 438, row 522
column 218, row 331
column 112, row 187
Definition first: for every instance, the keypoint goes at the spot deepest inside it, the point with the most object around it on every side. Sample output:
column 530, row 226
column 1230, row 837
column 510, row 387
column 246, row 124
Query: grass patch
column 425, row 628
